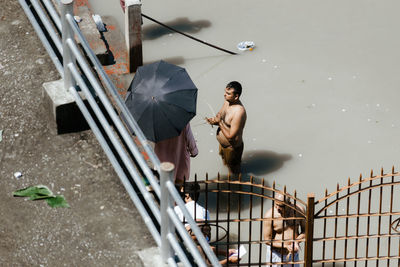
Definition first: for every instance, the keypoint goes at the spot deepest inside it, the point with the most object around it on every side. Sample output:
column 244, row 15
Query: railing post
column 308, row 252
column 167, row 227
column 67, row 7
column 133, row 33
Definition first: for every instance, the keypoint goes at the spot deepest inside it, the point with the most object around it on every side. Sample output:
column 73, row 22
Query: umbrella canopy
column 162, row 100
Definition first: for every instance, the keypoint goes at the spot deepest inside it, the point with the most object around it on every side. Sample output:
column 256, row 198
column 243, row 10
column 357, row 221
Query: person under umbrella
column 162, row 100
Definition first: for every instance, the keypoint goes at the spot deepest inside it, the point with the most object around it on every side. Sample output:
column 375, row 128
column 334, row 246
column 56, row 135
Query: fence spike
column 360, row 178
column 326, row 191
column 337, row 186
column 392, row 169
column 372, row 173
column 218, row 176
column 240, row 177
column 348, row 181
column 381, row 171
column 251, row 179
column 206, row 176
column 273, row 185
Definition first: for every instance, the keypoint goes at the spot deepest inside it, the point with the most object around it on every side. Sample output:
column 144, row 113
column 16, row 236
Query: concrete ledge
column 65, row 115
column 151, row 257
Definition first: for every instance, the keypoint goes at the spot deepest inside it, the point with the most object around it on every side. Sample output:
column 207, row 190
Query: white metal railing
column 72, row 74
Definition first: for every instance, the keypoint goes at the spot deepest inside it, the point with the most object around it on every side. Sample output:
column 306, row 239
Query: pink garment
column 178, row 151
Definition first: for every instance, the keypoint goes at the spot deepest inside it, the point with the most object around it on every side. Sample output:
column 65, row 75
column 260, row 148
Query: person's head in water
column 233, row 91
column 280, row 204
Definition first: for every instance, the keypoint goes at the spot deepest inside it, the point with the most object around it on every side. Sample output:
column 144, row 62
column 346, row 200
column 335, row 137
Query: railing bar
column 195, row 228
column 217, row 212
column 272, row 216
column 353, row 237
column 53, row 13
column 390, row 219
column 356, row 192
column 133, row 148
column 356, row 183
column 113, row 91
column 185, row 236
column 347, row 222
column 124, row 179
column 336, row 222
column 49, row 28
column 42, row 37
column 178, row 249
column 358, row 259
column 378, row 240
column 324, row 235
column 368, row 221
column 229, row 215
column 251, row 217
column 128, row 163
column 357, row 221
column 261, row 223
column 360, row 215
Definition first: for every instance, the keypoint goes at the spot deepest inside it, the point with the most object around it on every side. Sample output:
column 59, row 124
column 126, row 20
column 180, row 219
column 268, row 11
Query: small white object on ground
column 99, row 23
column 1, row 135
column 17, row 175
column 77, row 19
column 246, row 45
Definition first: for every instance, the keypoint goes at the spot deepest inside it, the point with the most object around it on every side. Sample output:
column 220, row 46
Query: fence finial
column 372, row 173
column 381, row 171
column 392, row 169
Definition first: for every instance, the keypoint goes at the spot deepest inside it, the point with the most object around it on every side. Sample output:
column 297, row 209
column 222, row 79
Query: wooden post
column 133, row 33
column 308, row 253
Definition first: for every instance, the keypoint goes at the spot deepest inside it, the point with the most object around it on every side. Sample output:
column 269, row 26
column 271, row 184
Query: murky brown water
column 320, row 88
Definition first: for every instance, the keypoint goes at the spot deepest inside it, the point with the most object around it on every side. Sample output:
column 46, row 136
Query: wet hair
column 236, row 86
column 193, row 189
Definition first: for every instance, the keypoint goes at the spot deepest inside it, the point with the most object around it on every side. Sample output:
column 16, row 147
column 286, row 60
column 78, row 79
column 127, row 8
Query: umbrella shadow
column 183, row 24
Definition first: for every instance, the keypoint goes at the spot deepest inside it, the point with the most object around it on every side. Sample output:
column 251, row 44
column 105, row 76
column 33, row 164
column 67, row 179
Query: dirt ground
column 102, row 226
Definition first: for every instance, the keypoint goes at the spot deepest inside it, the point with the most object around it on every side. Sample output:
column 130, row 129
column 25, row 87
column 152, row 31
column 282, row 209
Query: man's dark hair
column 193, row 189
column 236, row 86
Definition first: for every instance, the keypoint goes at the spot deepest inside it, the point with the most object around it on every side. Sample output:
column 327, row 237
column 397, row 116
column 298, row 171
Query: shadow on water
column 155, row 31
column 259, row 163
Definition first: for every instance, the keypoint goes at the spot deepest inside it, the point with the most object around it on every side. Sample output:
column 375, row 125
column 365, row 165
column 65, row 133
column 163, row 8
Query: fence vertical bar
column 167, row 227
column 67, row 7
column 308, row 251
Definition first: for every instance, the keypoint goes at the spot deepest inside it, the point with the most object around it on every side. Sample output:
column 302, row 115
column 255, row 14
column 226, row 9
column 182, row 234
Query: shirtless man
column 280, row 230
column 231, row 120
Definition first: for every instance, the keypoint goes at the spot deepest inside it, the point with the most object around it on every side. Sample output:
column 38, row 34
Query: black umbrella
column 162, row 100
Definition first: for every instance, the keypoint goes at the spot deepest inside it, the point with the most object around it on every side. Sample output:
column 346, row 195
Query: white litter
column 246, row 45
column 1, row 135
column 17, row 175
column 99, row 23
column 77, row 19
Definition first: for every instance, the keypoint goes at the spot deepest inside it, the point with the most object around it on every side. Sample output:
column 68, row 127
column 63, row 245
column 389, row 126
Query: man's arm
column 215, row 120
